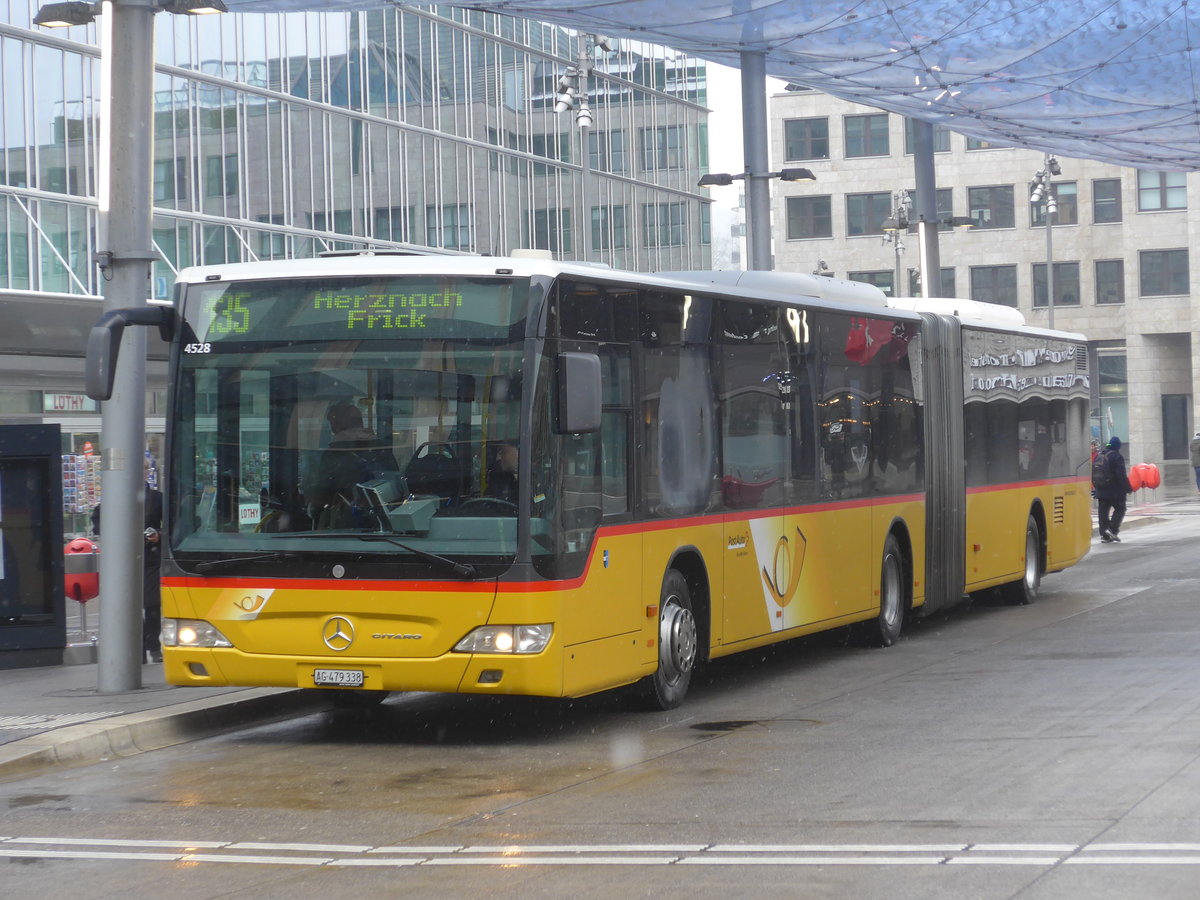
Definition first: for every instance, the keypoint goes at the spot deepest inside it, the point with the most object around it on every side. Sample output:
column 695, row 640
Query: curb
column 129, row 735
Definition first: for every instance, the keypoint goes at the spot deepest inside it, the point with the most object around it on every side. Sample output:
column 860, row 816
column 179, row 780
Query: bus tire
column 1024, row 590
column 677, row 646
column 884, row 629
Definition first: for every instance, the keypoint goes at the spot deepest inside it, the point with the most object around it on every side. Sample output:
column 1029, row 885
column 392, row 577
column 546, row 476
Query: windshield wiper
column 208, row 565
column 463, row 569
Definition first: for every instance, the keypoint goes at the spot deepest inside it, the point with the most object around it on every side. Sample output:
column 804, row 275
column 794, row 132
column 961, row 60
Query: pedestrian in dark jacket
column 1111, row 498
column 151, row 568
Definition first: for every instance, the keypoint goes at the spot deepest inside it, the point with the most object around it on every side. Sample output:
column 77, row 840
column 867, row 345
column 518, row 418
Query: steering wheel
column 494, row 504
column 431, row 448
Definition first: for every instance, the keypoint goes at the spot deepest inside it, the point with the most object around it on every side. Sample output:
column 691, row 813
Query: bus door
column 755, row 379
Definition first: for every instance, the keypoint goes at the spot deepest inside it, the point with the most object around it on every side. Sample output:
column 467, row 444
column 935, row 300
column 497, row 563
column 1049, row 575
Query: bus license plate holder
column 338, row 677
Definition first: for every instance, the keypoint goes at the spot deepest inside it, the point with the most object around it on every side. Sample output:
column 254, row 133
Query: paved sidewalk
column 54, row 715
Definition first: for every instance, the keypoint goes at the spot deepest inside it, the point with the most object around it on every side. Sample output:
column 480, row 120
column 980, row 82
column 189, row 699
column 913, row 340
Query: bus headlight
column 506, row 639
column 192, row 633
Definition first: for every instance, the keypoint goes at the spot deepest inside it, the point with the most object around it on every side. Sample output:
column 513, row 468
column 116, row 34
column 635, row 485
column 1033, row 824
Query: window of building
column 608, row 151
column 271, row 244
column 706, row 224
column 992, row 207
column 1163, row 272
column 885, row 281
column 170, row 180
column 1114, row 392
column 945, row 208
column 449, row 226
column 1066, row 284
column 809, row 217
column 662, row 147
column 1106, row 200
column 941, row 138
column 1161, row 190
column 609, row 229
column 551, row 230
column 551, row 146
column 867, row 135
column 1110, row 281
column 945, row 288
column 865, row 212
column 394, row 223
column 806, row 138
column 663, row 224
column 1065, row 195
column 974, row 143
column 221, row 175
column 994, row 284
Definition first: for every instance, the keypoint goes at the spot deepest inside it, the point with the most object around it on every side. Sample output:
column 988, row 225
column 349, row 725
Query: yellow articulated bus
column 517, row 476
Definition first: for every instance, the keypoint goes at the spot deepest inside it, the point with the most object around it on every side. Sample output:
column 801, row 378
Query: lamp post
column 894, row 227
column 759, row 235
column 1042, row 191
column 125, row 258
column 573, row 89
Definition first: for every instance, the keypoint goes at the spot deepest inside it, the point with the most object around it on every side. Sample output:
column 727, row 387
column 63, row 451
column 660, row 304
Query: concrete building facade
column 1119, row 242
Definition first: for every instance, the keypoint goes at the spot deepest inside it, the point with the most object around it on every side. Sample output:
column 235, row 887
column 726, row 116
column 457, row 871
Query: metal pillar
column 927, row 214
column 754, row 143
column 125, row 258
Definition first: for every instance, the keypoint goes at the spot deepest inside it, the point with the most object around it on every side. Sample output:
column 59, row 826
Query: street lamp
column 722, row 179
column 77, row 12
column 894, row 227
column 1042, row 191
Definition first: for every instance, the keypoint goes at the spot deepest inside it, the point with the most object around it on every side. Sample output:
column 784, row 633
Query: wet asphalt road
column 1034, row 752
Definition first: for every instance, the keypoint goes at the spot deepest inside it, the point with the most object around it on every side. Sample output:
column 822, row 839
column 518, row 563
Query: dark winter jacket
column 1119, row 486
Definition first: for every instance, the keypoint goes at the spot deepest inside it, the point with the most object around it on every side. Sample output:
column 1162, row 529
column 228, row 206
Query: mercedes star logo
column 338, row 633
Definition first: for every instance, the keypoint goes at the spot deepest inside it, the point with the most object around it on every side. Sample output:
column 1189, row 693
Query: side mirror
column 578, row 393
column 104, row 343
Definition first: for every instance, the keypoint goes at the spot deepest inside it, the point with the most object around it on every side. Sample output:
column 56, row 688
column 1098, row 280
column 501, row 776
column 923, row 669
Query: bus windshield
column 349, row 415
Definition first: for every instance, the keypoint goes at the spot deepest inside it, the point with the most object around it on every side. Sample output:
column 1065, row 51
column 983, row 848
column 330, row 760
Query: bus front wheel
column 1024, row 591
column 677, row 645
column 884, row 629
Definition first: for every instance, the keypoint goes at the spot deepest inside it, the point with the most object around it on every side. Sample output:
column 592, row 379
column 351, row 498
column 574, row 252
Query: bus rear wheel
column 677, row 645
column 1024, row 591
column 884, row 629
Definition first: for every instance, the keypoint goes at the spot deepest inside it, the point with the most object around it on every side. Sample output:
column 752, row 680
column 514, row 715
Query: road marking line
column 1029, row 848
column 377, row 862
column 1133, row 861
column 837, row 848
column 589, row 848
column 310, row 848
column 1102, row 848
column 1004, row 861
column 813, row 861
column 515, row 861
column 79, row 854
column 259, row 860
column 115, row 842
column 424, row 851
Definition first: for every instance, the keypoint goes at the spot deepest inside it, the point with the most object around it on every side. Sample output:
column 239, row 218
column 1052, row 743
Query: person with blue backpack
column 1110, row 484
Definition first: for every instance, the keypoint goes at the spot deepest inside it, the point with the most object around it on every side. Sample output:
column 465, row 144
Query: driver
column 354, row 455
column 502, row 476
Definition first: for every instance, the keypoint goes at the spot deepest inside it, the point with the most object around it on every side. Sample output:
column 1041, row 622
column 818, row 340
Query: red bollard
column 81, row 570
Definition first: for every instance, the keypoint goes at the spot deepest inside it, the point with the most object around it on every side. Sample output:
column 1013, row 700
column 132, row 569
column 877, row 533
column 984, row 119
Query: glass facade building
column 286, row 135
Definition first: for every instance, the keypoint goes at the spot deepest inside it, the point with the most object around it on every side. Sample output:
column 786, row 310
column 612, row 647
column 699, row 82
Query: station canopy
column 1110, row 80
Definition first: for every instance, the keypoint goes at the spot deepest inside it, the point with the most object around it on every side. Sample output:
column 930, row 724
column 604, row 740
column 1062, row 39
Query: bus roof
column 766, row 285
